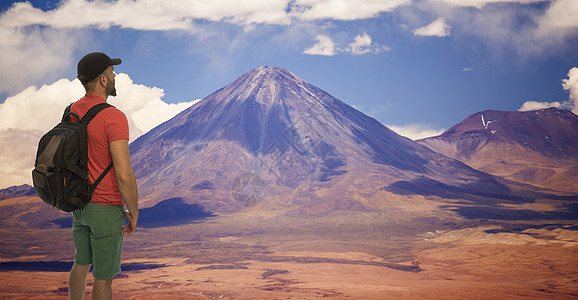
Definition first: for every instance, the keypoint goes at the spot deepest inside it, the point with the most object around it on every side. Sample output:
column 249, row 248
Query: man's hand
column 129, row 228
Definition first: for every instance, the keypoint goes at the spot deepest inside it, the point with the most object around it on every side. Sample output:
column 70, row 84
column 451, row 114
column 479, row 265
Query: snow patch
column 486, row 124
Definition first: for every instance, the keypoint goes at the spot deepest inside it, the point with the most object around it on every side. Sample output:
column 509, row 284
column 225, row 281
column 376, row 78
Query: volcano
column 535, row 147
column 270, row 135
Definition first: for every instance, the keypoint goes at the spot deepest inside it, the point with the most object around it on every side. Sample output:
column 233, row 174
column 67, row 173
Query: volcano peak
column 265, row 84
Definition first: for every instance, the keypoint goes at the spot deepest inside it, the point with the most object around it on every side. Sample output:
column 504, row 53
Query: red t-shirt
column 107, row 126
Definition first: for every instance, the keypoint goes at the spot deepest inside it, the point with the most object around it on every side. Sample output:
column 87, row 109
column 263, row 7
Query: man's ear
column 102, row 80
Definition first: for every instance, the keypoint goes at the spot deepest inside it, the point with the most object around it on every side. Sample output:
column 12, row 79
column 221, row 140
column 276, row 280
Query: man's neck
column 101, row 95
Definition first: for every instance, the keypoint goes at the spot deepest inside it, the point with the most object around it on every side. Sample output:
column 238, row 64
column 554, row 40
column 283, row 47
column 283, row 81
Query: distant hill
column 535, row 147
column 17, row 191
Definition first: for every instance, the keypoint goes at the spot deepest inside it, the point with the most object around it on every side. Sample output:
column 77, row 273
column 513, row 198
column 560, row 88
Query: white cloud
column 324, row 46
column 415, row 131
column 39, row 108
column 436, row 28
column 361, row 45
column 481, row 3
column 525, row 28
column 40, row 46
column 17, row 153
column 31, row 55
column 146, row 14
column 25, row 117
column 344, row 9
column 562, row 14
column 570, row 84
column 535, row 105
column 180, row 14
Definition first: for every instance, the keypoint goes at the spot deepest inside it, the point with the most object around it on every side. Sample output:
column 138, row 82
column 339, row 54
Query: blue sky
column 418, row 66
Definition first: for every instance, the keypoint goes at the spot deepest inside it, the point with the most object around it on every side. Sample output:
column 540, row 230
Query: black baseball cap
column 93, row 64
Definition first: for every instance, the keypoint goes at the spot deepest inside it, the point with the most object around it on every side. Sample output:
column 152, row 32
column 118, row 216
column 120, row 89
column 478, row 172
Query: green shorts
column 97, row 238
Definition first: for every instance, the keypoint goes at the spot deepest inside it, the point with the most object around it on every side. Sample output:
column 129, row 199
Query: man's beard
column 110, row 88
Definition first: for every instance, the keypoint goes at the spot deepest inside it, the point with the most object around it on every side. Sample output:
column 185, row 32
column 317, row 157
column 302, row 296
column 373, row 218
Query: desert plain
column 415, row 250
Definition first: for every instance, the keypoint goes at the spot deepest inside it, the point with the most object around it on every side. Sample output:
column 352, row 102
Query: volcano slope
column 272, row 136
column 534, row 147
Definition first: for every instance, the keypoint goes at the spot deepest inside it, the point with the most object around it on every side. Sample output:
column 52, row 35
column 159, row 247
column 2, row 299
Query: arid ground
column 341, row 256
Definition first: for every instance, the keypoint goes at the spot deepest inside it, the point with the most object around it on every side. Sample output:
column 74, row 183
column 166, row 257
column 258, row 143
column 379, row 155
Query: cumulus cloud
column 571, row 85
column 146, row 14
column 41, row 108
column 481, row 3
column 324, row 46
column 436, row 28
column 361, row 45
column 536, row 105
column 38, row 46
column 561, row 15
column 180, row 14
column 416, row 131
column 31, row 55
column 343, row 9
column 25, row 117
column 529, row 29
column 17, row 153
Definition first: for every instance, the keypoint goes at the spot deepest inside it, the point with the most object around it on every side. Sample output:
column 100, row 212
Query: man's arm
column 126, row 182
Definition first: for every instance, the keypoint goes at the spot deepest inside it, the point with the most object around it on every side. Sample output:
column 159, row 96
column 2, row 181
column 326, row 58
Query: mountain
column 270, row 135
column 535, row 147
column 17, row 191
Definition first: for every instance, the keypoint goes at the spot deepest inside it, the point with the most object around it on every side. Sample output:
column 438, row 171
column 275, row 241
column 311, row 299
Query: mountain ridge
column 272, row 145
column 294, row 140
column 536, row 147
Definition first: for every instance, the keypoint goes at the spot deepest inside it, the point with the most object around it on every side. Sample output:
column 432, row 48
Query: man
column 98, row 229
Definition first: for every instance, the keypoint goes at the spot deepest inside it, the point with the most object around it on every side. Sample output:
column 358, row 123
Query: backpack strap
column 100, row 178
column 91, row 113
column 68, row 113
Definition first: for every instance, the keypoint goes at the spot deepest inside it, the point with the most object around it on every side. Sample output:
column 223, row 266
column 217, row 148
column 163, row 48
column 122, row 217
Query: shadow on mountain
column 17, row 191
column 171, row 212
column 521, row 228
column 168, row 212
column 482, row 191
column 65, row 266
column 483, row 212
column 205, row 185
column 65, row 222
column 332, row 162
column 387, row 151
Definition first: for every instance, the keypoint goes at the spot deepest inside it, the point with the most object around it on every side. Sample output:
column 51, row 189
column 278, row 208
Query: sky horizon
column 417, row 66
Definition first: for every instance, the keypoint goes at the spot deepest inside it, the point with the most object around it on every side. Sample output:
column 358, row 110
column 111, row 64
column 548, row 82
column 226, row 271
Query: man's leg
column 102, row 289
column 82, row 257
column 106, row 242
column 77, row 281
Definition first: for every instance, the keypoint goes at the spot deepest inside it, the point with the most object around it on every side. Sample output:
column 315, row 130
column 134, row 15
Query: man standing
column 98, row 229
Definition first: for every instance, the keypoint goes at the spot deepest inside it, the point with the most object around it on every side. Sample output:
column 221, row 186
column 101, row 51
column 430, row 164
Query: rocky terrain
column 534, row 147
column 270, row 188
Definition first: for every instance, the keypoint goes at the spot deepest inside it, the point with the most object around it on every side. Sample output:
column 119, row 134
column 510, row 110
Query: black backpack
column 60, row 174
